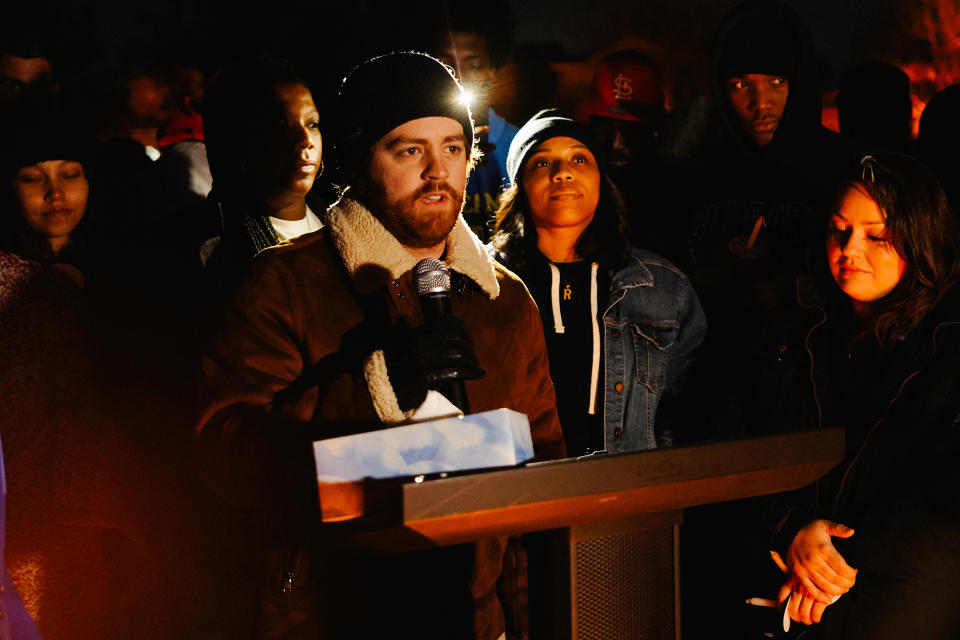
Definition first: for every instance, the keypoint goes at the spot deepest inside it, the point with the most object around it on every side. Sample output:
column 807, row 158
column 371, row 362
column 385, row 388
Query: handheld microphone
column 432, row 279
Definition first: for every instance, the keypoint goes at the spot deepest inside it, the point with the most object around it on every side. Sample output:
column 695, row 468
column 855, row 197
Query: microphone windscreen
column 431, row 276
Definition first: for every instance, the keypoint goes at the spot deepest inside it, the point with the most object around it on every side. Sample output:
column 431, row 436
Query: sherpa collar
column 368, row 249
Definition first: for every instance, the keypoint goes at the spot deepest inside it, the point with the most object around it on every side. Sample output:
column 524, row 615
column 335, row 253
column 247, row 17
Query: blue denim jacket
column 653, row 325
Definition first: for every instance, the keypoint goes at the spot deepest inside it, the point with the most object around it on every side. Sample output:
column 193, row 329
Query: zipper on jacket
column 806, row 345
column 288, row 573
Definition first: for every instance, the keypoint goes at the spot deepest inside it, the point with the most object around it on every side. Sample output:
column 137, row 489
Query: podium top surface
column 571, row 492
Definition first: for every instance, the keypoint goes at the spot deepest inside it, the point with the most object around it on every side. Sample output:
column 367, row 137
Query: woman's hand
column 818, row 572
column 800, row 608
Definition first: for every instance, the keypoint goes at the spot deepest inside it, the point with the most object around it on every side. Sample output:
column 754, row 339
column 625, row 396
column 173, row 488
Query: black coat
column 899, row 485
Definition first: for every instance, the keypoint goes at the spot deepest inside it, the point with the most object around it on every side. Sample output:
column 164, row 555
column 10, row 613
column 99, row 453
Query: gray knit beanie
column 546, row 124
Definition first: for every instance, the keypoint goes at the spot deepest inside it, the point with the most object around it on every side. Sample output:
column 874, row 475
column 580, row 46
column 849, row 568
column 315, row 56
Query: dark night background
column 325, row 39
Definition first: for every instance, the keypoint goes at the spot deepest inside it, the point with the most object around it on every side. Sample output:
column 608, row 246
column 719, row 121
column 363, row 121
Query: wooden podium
column 618, row 516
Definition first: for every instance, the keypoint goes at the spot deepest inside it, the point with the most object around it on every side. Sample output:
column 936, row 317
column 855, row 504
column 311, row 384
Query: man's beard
column 403, row 218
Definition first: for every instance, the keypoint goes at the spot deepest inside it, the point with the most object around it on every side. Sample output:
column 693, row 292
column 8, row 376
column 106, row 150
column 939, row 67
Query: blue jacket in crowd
column 653, row 326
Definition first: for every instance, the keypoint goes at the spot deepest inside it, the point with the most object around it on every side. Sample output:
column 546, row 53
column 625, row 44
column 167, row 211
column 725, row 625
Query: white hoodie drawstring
column 559, row 328
column 595, row 368
column 555, row 298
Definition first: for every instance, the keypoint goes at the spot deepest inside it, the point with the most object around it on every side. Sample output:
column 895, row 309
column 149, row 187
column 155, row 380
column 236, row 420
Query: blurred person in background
column 939, row 139
column 875, row 108
column 474, row 42
column 627, row 110
column 26, row 71
column 181, row 176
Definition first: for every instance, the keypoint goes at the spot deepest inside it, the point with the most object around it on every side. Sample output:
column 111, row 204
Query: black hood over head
column 768, row 37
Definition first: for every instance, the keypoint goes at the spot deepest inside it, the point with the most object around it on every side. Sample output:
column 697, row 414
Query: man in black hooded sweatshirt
column 754, row 204
column 755, row 198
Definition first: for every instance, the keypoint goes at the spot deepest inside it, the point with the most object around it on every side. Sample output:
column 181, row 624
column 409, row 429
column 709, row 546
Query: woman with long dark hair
column 622, row 325
column 876, row 553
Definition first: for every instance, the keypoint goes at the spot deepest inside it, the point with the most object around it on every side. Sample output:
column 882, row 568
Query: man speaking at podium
column 327, row 338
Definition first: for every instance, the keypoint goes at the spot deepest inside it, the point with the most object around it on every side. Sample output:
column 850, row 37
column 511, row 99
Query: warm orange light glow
column 918, row 106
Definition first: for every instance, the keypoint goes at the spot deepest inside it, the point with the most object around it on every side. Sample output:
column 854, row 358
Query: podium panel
column 624, row 585
column 610, row 581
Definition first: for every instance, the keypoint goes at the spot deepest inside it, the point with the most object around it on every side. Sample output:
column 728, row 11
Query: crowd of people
column 195, row 293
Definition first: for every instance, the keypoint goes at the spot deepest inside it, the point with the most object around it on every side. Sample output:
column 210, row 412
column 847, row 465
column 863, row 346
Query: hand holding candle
column 819, row 575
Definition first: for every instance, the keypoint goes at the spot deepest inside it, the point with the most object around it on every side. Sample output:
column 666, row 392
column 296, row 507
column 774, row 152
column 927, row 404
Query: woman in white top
column 264, row 147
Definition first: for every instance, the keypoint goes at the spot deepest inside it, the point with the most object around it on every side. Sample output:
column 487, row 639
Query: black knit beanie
column 384, row 92
column 543, row 126
column 760, row 44
column 40, row 136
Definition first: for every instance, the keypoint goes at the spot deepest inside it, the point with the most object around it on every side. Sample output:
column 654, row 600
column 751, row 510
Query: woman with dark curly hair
column 874, row 554
column 622, row 325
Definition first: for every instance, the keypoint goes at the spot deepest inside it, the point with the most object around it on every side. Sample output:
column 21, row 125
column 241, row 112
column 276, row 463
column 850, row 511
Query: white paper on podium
column 435, row 405
column 489, row 439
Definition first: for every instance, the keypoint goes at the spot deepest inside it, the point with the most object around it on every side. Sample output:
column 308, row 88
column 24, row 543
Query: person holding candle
column 873, row 554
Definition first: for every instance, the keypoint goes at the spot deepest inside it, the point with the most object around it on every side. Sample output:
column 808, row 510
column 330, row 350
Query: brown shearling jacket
column 294, row 361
